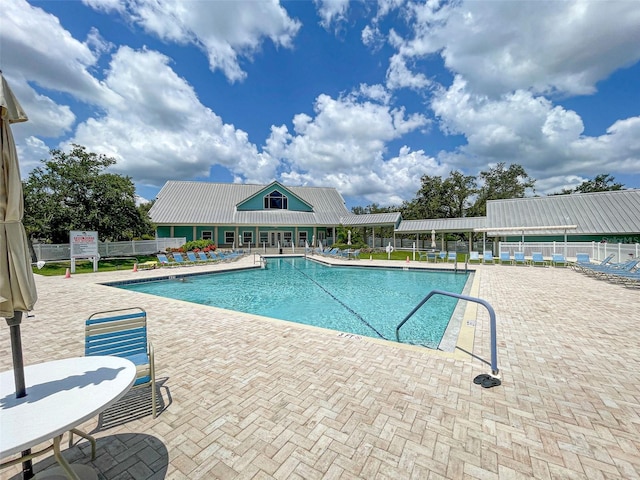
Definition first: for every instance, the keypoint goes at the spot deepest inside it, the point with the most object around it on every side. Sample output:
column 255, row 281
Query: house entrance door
column 275, row 238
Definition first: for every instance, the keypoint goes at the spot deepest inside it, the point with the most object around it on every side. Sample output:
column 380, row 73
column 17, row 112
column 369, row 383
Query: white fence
column 50, row 252
column 596, row 250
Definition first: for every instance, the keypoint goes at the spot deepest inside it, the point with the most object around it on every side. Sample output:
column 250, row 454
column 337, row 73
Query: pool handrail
column 492, row 321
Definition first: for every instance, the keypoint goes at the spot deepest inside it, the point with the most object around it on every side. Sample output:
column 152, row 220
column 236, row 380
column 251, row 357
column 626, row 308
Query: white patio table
column 61, row 395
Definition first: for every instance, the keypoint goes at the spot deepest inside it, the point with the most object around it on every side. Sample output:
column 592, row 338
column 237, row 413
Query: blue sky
column 365, row 97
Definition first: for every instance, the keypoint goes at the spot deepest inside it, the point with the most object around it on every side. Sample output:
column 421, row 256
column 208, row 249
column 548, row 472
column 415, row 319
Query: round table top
column 61, row 395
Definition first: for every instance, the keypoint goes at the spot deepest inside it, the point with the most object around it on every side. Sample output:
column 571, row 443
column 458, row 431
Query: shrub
column 197, row 245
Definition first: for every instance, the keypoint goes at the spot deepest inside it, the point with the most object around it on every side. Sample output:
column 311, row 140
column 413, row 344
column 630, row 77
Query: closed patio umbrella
column 17, row 287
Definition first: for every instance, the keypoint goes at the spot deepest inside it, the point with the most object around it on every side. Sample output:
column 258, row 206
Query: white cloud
column 331, row 11
column 345, row 145
column 225, row 31
column 521, row 128
column 35, row 47
column 502, row 46
column 163, row 132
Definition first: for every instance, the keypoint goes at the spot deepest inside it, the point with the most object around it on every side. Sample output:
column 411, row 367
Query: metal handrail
column 492, row 321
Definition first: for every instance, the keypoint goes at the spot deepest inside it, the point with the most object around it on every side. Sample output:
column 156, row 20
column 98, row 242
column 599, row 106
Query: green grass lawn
column 51, row 269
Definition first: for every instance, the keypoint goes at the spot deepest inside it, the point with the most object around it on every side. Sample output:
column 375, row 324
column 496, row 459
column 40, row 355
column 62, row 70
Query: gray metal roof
column 464, row 224
column 371, row 219
column 203, row 203
column 590, row 213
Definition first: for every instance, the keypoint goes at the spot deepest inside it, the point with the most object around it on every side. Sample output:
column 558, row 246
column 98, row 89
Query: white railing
column 50, row 252
column 596, row 250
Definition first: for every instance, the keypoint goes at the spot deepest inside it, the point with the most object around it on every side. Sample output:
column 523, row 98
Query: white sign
column 83, row 244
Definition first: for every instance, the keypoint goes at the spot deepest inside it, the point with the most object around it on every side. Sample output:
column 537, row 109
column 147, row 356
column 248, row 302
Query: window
column 207, row 235
column 276, row 200
column 229, row 237
column 247, row 238
column 264, row 238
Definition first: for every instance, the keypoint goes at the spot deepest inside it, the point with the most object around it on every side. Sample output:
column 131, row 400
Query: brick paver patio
column 252, row 398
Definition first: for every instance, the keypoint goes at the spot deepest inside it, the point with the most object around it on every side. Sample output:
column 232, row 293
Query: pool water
column 361, row 301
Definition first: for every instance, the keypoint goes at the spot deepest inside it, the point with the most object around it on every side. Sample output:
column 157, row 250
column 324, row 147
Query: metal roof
column 203, row 203
column 371, row 219
column 591, row 213
column 464, row 224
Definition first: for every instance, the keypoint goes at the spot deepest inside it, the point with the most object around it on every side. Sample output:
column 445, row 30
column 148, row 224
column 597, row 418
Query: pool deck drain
column 245, row 398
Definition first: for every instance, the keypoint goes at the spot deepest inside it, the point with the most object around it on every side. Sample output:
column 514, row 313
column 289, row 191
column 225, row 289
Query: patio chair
column 537, row 259
column 474, row 257
column 487, row 257
column 452, row 257
column 557, row 260
column 442, row 256
column 204, row 258
column 123, row 333
column 179, row 259
column 582, row 259
column 519, row 259
column 612, row 268
column 505, row 257
column 195, row 260
column 587, row 267
column 422, row 256
column 165, row 262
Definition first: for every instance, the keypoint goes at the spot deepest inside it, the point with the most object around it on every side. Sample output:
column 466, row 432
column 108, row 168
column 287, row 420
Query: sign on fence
column 83, row 245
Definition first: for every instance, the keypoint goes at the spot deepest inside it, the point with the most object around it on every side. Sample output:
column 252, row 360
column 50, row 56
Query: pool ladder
column 492, row 321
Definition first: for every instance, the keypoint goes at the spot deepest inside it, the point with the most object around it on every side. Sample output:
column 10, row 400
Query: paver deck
column 250, row 398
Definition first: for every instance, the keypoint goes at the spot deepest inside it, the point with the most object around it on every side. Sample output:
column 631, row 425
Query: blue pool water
column 361, row 301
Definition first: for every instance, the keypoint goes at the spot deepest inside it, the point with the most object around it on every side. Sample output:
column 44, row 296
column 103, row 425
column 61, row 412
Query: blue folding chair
column 123, row 333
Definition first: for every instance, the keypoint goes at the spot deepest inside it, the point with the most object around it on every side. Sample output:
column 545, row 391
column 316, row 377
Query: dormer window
column 276, row 200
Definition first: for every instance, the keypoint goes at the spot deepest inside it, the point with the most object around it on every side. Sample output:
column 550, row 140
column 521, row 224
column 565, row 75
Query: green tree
column 428, row 202
column 500, row 183
column 373, row 208
column 71, row 191
column 601, row 183
column 457, row 190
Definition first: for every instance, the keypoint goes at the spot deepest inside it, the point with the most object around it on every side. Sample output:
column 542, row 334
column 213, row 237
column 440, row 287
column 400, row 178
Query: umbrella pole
column 18, row 376
column 16, row 350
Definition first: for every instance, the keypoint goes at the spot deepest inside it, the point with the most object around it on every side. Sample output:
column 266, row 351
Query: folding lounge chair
column 229, row 255
column 505, row 257
column 538, row 259
column 474, row 257
column 195, row 260
column 585, row 267
column 180, row 259
column 557, row 260
column 217, row 256
column 442, row 256
column 487, row 257
column 452, row 257
column 204, row 258
column 422, row 256
column 164, row 261
column 519, row 259
column 581, row 259
column 613, row 269
column 123, row 333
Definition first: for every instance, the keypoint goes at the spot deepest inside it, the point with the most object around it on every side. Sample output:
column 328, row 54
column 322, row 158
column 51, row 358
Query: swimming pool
column 362, row 301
